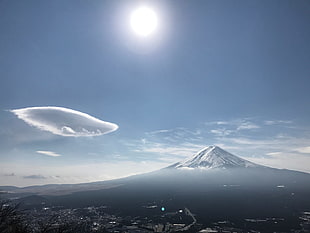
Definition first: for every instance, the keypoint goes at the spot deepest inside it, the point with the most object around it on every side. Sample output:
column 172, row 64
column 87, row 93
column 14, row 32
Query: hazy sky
column 231, row 73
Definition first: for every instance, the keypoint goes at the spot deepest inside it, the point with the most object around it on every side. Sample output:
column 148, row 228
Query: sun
column 143, row 21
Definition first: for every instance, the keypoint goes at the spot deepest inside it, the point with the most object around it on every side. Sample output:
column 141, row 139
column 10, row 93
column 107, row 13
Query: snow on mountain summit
column 213, row 157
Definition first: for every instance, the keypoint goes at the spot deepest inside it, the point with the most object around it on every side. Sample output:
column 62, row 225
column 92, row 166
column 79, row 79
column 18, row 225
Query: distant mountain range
column 214, row 184
column 211, row 165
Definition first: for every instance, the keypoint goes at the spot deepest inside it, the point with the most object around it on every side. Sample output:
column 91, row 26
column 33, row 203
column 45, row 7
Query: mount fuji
column 214, row 184
column 213, row 157
column 208, row 168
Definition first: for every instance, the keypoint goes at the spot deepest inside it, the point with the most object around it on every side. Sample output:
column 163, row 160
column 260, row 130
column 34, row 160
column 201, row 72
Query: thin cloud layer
column 49, row 153
column 303, row 150
column 34, row 177
column 64, row 122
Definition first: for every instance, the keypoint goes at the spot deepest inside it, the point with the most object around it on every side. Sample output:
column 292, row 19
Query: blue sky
column 231, row 73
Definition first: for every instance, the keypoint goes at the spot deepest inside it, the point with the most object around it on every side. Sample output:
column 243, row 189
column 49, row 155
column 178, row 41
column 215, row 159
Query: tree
column 11, row 219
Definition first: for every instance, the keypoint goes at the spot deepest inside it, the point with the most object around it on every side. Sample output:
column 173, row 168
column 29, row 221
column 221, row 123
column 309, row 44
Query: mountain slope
column 209, row 168
column 214, row 184
column 214, row 157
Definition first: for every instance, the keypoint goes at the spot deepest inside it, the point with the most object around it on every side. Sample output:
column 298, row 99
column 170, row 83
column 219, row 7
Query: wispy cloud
column 178, row 132
column 64, row 121
column 173, row 135
column 159, row 131
column 246, row 137
column 181, row 151
column 285, row 161
column 216, row 123
column 275, row 122
column 304, row 150
column 274, row 153
column 49, row 153
column 226, row 128
column 221, row 132
column 247, row 125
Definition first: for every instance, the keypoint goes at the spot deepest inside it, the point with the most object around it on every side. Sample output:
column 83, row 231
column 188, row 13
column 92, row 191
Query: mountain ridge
column 213, row 157
column 216, row 185
column 209, row 166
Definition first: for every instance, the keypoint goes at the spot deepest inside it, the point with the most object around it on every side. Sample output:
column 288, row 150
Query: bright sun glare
column 143, row 21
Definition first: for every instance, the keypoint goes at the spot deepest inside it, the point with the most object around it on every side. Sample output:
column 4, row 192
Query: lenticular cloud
column 64, row 121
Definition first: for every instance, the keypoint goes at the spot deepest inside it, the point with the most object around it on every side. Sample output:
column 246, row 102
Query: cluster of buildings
column 97, row 219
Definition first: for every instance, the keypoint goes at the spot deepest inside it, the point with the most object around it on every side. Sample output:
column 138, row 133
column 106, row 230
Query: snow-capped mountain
column 208, row 168
column 213, row 157
column 215, row 184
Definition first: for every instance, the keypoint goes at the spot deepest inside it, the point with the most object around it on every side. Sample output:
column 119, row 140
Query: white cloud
column 271, row 143
column 275, row 122
column 304, row 150
column 228, row 128
column 217, row 123
column 280, row 146
column 159, row 131
column 239, row 124
column 221, row 132
column 64, row 121
column 247, row 125
column 274, row 153
column 222, row 122
column 177, row 132
column 285, row 161
column 49, row 153
column 174, row 152
column 247, row 141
